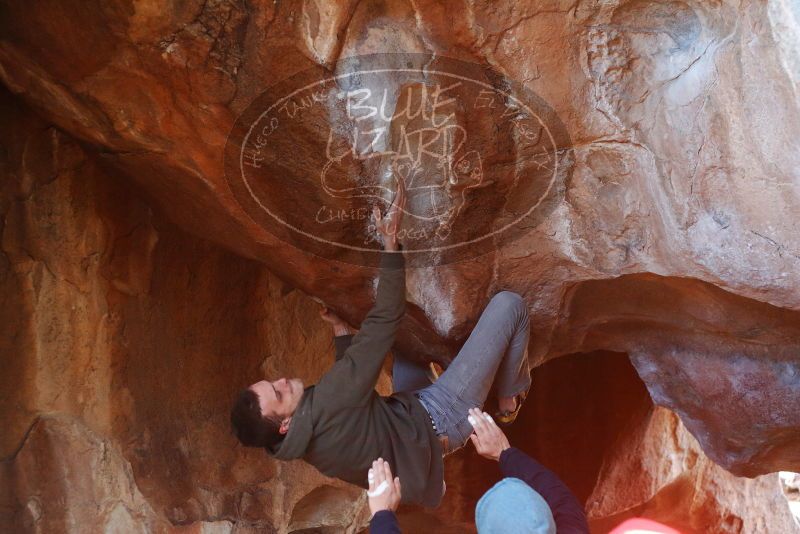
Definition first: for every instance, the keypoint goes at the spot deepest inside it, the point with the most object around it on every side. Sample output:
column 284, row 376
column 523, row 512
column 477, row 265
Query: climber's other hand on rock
column 340, row 328
column 488, row 439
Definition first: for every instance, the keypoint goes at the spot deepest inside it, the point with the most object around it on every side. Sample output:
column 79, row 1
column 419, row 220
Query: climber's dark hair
column 252, row 428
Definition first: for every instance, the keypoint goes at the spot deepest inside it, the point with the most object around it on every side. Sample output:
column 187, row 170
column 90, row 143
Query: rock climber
column 530, row 499
column 340, row 425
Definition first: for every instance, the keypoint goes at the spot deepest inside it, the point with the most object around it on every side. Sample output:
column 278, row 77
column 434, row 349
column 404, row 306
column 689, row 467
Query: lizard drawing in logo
column 433, row 162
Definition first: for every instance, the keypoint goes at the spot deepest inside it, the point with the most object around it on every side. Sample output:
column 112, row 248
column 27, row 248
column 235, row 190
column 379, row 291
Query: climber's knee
column 510, row 301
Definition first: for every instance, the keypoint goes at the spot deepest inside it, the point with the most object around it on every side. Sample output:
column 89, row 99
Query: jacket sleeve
column 341, row 343
column 352, row 378
column 384, row 522
column 567, row 511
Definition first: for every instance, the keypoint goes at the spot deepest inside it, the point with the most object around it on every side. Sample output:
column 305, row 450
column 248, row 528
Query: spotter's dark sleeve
column 384, row 522
column 567, row 511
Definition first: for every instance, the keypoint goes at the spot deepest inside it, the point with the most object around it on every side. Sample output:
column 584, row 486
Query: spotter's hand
column 384, row 491
column 488, row 439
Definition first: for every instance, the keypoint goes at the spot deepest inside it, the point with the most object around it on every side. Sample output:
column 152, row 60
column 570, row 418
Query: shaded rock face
column 101, row 493
column 139, row 292
column 658, row 471
column 132, row 338
column 726, row 364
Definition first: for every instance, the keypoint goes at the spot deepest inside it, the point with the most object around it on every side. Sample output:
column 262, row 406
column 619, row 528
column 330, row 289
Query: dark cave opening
column 578, row 407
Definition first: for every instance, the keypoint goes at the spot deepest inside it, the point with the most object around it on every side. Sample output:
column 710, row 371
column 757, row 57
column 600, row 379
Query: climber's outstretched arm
column 353, row 377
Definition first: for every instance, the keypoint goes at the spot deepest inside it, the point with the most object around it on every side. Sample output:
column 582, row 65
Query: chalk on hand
column 471, row 420
column 370, row 475
column 383, row 486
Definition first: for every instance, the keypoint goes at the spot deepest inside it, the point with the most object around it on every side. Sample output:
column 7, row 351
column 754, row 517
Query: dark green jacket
column 341, row 424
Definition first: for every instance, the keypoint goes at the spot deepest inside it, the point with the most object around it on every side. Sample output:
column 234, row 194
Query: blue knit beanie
column 513, row 507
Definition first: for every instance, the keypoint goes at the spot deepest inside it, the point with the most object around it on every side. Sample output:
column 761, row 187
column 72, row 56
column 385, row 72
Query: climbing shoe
column 432, row 373
column 505, row 418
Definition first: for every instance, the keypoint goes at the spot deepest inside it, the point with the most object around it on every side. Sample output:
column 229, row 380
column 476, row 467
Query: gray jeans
column 495, row 350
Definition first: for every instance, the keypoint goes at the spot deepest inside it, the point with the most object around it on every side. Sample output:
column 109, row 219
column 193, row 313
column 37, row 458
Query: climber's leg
column 408, row 375
column 495, row 350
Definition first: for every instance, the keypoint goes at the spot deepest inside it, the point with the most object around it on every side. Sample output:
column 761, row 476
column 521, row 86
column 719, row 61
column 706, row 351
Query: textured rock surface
column 673, row 240
column 137, row 335
column 130, row 336
column 680, row 168
column 659, row 472
column 726, row 364
column 67, row 479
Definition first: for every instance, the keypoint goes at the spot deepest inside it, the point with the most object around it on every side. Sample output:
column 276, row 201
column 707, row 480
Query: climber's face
column 279, row 398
